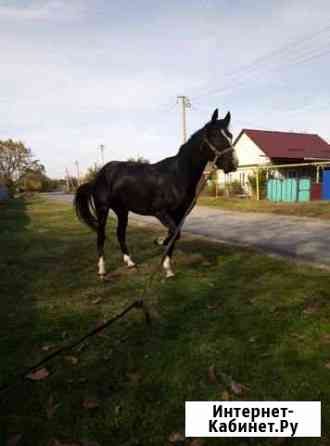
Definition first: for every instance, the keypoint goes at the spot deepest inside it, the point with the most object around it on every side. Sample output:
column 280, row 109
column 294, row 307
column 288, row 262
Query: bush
column 212, row 190
column 252, row 179
column 91, row 173
column 233, row 188
column 32, row 183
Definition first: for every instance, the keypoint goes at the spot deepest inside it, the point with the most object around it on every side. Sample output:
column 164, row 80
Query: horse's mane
column 194, row 140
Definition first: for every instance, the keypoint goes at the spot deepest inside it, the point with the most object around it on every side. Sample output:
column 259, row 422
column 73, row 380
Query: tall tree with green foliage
column 16, row 161
column 91, row 173
column 138, row 159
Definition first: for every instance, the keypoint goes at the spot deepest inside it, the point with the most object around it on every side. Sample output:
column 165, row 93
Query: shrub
column 32, row 183
column 234, row 188
column 252, row 179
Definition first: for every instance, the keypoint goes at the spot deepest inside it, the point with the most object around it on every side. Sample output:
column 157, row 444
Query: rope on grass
column 138, row 304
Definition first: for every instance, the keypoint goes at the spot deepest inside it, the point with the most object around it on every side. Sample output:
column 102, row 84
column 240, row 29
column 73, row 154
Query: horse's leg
column 170, row 222
column 122, row 216
column 102, row 214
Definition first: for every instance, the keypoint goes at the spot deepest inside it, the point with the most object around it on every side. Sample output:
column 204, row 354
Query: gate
column 290, row 190
column 326, row 185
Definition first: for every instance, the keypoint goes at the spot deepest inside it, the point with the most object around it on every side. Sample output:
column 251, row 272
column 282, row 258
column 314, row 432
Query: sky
column 75, row 74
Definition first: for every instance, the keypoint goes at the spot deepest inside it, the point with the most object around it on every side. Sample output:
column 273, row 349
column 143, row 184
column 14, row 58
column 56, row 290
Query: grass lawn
column 317, row 209
column 263, row 322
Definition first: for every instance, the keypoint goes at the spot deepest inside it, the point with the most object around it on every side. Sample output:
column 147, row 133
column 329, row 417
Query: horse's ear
column 226, row 120
column 215, row 115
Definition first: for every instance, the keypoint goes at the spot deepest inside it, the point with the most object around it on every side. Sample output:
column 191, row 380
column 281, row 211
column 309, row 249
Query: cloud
column 41, row 11
column 75, row 74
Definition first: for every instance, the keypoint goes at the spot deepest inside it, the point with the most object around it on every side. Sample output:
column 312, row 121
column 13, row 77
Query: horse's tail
column 84, row 205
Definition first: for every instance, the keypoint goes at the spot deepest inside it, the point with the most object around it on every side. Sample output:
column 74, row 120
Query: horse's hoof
column 129, row 262
column 169, row 274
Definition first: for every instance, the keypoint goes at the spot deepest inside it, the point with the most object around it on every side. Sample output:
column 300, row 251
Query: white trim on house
column 249, row 156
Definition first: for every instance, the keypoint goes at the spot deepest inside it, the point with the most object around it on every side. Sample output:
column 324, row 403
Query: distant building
column 262, row 147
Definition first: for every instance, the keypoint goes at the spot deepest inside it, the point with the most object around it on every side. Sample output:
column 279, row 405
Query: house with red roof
column 262, row 147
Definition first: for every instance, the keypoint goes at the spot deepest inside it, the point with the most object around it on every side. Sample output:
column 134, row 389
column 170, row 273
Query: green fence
column 289, row 190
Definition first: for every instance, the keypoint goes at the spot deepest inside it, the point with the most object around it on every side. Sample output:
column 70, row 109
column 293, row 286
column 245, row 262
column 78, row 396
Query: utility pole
column 185, row 103
column 67, row 180
column 101, row 147
column 78, row 175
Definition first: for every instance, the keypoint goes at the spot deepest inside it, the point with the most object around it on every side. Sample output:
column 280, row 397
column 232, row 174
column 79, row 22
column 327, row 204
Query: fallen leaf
column 176, row 437
column 72, row 359
column 312, row 309
column 14, row 439
column 325, row 338
column 38, row 375
column 236, row 388
column 134, row 377
column 97, row 301
column 55, row 442
column 82, row 346
column 197, row 442
column 99, row 324
column 70, row 444
column 212, row 377
column 48, row 347
column 90, row 403
column 89, row 443
column 51, row 407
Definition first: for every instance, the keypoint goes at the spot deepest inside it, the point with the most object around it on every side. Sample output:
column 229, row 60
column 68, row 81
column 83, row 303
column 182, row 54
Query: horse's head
column 218, row 142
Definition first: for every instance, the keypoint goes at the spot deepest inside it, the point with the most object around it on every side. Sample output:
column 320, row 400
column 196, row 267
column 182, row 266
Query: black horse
column 164, row 189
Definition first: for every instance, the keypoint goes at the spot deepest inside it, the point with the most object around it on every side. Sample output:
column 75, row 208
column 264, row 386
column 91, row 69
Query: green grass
column 316, row 209
column 262, row 321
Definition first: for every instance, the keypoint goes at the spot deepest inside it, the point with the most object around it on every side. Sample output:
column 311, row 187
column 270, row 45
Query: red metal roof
column 289, row 145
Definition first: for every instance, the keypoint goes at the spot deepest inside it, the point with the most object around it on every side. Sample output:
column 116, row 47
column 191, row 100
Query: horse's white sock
column 129, row 262
column 167, row 267
column 160, row 241
column 101, row 266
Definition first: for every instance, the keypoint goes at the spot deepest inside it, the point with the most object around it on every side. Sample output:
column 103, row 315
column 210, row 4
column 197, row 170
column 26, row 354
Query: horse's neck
column 191, row 161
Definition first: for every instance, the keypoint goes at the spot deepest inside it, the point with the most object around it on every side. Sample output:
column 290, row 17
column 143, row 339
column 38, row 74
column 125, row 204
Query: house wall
column 248, row 153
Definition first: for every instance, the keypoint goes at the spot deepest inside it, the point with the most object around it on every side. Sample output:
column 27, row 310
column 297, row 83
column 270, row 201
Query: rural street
column 302, row 238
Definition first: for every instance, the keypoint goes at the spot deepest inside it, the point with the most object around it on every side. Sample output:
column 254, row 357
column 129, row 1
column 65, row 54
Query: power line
column 253, row 66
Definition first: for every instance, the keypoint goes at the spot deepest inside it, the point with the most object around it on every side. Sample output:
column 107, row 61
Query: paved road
column 305, row 239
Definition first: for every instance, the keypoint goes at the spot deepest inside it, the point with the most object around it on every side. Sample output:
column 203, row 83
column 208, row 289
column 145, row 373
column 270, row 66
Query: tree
column 32, row 182
column 16, row 161
column 91, row 173
column 263, row 178
column 138, row 159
